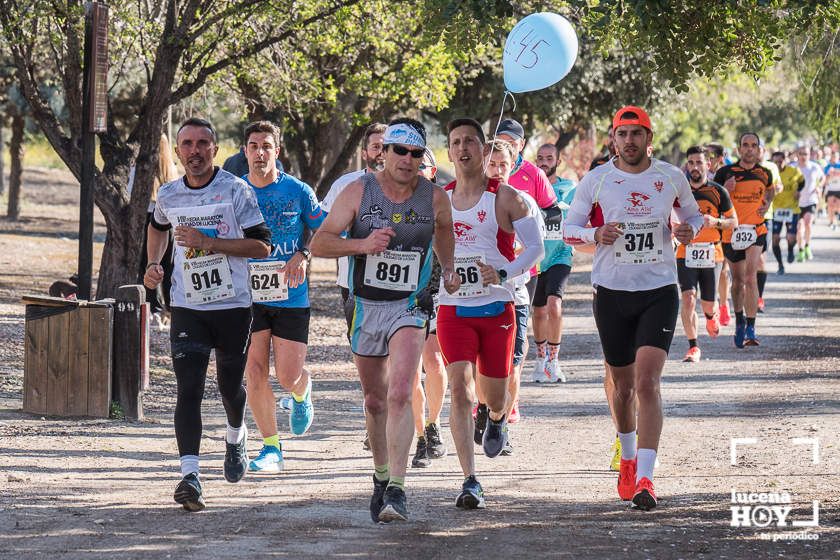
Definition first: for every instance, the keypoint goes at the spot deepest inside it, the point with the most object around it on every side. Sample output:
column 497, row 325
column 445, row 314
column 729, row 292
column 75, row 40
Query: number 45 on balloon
column 539, row 51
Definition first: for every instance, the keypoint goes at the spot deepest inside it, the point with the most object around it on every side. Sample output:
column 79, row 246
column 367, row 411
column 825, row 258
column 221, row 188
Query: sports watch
column 307, row 254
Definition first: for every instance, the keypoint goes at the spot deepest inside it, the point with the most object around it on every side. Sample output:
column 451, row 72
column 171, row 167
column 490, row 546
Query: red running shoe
column 627, row 479
column 724, row 315
column 644, row 498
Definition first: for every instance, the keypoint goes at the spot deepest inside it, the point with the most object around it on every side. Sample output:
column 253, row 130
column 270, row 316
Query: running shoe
column 808, row 254
column 749, row 335
column 740, row 333
column 302, row 414
column 507, row 450
column 480, row 416
column 761, row 305
column 725, row 318
column 236, row 459
column 188, row 493
column 471, row 496
column 514, row 416
column 790, row 257
column 615, row 462
column 626, row 479
column 270, row 460
column 800, row 256
column 393, row 505
column 495, row 436
column 644, row 497
column 421, row 455
column 713, row 327
column 553, row 371
column 366, row 442
column 538, row 375
column 376, row 498
column 693, row 355
column 434, row 445
column 781, row 270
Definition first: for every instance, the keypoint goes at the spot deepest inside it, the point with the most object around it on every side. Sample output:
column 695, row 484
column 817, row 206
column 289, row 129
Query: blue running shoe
column 740, row 333
column 495, row 436
column 302, row 414
column 270, row 460
column 749, row 335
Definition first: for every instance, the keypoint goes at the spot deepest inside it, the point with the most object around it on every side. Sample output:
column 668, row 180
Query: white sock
column 189, row 464
column 235, row 435
column 644, row 468
column 628, row 445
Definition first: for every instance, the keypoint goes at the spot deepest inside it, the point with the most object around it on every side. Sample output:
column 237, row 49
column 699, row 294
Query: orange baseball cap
column 630, row 114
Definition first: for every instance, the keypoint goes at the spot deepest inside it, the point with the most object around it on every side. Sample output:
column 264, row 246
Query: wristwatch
column 307, row 254
column 502, row 274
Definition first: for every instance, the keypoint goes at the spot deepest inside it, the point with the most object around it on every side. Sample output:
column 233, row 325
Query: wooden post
column 130, row 353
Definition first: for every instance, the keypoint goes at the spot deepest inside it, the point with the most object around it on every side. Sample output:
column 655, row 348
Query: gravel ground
column 96, row 488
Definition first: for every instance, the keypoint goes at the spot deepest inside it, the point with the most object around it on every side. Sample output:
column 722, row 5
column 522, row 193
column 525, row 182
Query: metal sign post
column 94, row 119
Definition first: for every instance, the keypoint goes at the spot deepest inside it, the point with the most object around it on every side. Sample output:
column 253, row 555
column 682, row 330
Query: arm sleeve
column 725, row 200
column 552, row 215
column 575, row 230
column 260, row 232
column 159, row 226
column 529, row 233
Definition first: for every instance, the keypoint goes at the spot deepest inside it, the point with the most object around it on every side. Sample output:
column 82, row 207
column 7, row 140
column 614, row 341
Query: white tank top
column 477, row 236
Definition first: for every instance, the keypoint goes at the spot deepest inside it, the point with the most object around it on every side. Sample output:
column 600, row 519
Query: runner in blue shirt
column 280, row 294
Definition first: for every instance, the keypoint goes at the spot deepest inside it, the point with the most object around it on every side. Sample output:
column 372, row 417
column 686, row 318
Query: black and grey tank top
column 406, row 266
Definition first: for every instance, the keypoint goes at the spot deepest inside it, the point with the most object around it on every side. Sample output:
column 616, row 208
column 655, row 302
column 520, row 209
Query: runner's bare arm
column 327, row 241
column 156, row 241
column 444, row 240
column 251, row 247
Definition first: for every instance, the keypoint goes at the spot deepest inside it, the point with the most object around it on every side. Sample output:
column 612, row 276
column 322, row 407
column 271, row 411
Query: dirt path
column 103, row 489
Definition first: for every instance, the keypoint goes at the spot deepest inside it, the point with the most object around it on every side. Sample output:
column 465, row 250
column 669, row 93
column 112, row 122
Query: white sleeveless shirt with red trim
column 477, row 232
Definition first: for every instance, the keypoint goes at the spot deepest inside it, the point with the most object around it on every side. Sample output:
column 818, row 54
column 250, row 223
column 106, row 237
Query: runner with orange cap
column 625, row 207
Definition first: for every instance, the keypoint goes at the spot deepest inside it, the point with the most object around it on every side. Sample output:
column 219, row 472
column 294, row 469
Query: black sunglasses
column 402, row 150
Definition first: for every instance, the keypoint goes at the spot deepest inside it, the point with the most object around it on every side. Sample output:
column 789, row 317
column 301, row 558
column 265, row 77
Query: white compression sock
column 644, row 468
column 235, row 435
column 189, row 464
column 628, row 445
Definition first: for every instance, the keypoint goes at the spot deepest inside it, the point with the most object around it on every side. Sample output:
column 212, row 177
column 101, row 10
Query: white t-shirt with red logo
column 641, row 203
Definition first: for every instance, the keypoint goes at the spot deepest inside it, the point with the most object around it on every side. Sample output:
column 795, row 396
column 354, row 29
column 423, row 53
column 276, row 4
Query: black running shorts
column 551, row 282
column 706, row 278
column 627, row 321
column 289, row 323
column 735, row 255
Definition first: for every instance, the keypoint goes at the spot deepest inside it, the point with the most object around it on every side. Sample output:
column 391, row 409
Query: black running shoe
column 471, row 496
column 495, row 436
column 480, row 423
column 421, row 455
column 393, row 505
column 376, row 498
column 236, row 460
column 434, row 445
column 188, row 493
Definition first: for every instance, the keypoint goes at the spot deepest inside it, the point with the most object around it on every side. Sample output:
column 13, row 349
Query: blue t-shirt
column 288, row 204
column 556, row 251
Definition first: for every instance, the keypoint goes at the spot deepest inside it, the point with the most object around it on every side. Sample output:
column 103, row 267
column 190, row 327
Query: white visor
column 403, row 134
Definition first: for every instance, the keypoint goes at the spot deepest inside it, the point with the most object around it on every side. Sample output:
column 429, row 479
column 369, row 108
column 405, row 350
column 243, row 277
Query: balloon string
column 499, row 122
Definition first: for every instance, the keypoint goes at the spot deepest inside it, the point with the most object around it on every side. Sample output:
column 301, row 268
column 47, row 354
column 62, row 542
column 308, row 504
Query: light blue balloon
column 539, row 52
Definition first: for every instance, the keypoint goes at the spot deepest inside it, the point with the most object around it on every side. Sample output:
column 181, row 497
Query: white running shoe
column 553, row 372
column 538, row 375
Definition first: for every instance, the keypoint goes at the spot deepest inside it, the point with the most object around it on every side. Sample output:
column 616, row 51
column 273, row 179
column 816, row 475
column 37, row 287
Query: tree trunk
column 16, row 168
column 2, row 160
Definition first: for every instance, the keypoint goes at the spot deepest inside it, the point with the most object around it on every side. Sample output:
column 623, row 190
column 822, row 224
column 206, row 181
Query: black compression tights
column 190, row 356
